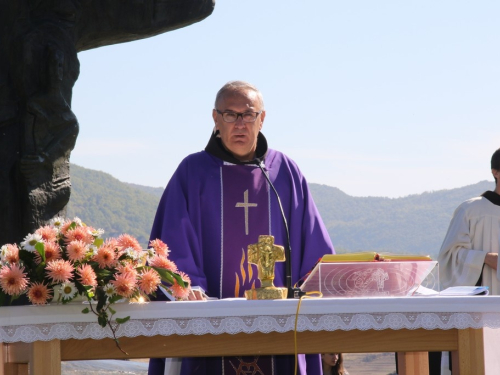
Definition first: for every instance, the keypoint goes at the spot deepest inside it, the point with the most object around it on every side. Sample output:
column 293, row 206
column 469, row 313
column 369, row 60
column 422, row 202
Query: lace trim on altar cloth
column 250, row 324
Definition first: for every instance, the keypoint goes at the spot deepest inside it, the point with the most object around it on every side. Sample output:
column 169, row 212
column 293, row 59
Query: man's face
column 239, row 137
column 496, row 174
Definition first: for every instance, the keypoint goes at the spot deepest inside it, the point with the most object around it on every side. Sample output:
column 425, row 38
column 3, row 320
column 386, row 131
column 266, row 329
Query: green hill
column 413, row 224
column 102, row 201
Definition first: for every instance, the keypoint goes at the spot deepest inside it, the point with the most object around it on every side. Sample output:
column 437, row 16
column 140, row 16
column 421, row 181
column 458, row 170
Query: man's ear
column 214, row 116
column 262, row 117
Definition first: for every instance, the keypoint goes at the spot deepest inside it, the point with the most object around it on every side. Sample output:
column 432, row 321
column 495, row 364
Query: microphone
column 292, row 292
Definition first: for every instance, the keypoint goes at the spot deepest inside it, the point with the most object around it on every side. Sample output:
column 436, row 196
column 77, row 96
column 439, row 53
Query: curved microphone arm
column 292, row 292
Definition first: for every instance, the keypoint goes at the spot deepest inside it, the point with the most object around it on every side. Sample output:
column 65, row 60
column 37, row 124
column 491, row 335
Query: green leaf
column 111, row 310
column 40, row 248
column 102, row 320
column 165, row 275
column 86, row 310
column 98, row 242
column 115, row 298
column 122, row 320
column 180, row 281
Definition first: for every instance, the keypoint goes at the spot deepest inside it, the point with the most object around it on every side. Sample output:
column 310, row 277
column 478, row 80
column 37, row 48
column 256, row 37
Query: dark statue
column 39, row 42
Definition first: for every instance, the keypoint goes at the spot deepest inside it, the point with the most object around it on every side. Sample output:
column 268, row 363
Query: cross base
column 266, row 293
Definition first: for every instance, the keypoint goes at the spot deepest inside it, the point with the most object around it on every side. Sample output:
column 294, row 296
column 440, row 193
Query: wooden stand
column 412, row 345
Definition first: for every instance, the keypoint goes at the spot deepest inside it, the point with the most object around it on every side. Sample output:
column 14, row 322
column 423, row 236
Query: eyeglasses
column 233, row 116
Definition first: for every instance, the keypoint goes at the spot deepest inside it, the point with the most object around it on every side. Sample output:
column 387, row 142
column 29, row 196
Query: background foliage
column 412, row 224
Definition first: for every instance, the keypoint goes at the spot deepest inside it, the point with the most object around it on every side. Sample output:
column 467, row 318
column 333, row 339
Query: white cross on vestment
column 246, row 205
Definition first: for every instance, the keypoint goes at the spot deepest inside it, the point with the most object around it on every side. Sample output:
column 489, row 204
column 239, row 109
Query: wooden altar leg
column 3, row 358
column 413, row 363
column 470, row 355
column 45, row 358
column 9, row 368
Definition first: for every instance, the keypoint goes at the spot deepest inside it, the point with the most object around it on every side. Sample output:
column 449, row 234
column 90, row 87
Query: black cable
column 292, row 292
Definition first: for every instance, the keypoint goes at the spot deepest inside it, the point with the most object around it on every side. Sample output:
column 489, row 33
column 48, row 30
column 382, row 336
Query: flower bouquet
column 67, row 259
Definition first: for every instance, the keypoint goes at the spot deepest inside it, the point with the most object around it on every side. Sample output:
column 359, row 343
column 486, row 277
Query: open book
column 454, row 291
column 465, row 291
column 371, row 256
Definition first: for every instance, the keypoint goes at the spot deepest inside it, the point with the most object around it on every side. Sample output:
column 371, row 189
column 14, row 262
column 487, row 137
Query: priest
column 469, row 254
column 219, row 201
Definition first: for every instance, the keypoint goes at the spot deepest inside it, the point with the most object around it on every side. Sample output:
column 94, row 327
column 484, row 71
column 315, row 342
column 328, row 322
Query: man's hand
column 196, row 295
column 491, row 260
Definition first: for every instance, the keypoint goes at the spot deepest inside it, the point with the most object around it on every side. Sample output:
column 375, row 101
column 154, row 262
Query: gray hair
column 238, row 86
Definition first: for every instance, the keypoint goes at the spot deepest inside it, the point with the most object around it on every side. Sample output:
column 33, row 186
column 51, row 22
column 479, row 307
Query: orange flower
column 39, row 294
column 12, row 255
column 87, row 275
column 79, row 234
column 127, row 241
column 59, row 270
column 13, row 279
column 161, row 262
column 76, row 250
column 127, row 270
column 159, row 247
column 179, row 291
column 52, row 252
column 48, row 233
column 124, row 286
column 149, row 281
column 105, row 256
column 65, row 226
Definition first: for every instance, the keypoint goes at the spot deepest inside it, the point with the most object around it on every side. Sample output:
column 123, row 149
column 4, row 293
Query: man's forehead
column 247, row 98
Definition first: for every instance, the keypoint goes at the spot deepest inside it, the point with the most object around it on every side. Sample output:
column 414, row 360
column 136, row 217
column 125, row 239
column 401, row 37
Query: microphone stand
column 291, row 291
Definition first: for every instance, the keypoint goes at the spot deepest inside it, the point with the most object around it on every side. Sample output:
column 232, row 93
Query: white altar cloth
column 45, row 323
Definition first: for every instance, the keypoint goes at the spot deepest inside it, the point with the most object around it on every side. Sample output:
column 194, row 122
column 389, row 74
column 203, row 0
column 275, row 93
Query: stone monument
column 39, row 42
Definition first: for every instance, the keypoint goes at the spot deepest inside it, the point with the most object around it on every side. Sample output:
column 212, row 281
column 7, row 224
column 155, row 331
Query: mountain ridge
column 415, row 223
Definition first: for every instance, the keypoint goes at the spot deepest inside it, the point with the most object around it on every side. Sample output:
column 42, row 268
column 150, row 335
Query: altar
column 43, row 336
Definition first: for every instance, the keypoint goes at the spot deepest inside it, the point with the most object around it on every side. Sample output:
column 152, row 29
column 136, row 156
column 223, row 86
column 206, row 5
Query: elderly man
column 469, row 254
column 219, row 201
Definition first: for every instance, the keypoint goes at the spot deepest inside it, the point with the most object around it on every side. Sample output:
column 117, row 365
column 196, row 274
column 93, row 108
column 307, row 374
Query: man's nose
column 239, row 121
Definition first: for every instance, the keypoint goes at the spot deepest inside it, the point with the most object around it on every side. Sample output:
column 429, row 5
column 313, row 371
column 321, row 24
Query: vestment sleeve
column 173, row 224
column 459, row 264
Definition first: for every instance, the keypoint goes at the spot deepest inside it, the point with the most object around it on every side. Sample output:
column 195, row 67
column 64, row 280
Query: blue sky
column 377, row 98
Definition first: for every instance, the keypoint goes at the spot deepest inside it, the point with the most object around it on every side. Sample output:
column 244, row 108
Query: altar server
column 219, row 201
column 469, row 254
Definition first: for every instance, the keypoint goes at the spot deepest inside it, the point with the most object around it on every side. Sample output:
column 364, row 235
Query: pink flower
column 48, row 233
column 161, row 262
column 105, row 257
column 124, row 285
column 79, row 234
column 59, row 270
column 52, row 252
column 149, row 281
column 127, row 241
column 76, row 250
column 65, row 226
column 39, row 294
column 87, row 275
column 12, row 253
column 13, row 279
column 127, row 270
column 159, row 247
column 179, row 291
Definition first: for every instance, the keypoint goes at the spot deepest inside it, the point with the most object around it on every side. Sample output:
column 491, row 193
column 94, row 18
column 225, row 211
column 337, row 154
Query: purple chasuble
column 245, row 215
column 202, row 209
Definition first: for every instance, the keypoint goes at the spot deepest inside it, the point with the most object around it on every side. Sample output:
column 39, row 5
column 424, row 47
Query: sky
column 377, row 98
